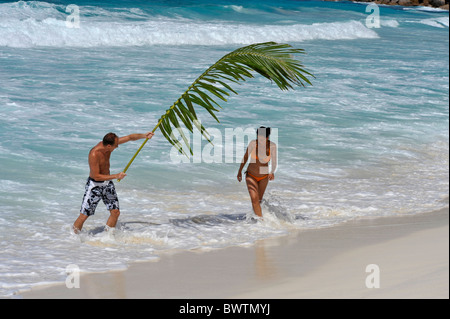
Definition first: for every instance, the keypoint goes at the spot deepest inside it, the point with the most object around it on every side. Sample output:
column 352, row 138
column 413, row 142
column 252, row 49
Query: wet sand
column 408, row 256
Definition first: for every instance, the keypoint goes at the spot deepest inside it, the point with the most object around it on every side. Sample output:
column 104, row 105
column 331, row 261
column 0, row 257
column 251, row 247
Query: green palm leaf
column 272, row 60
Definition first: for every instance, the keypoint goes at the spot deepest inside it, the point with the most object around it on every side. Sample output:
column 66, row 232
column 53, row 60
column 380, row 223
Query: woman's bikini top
column 254, row 154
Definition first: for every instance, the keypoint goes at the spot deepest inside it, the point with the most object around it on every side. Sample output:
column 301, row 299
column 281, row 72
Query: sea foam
column 41, row 24
column 52, row 32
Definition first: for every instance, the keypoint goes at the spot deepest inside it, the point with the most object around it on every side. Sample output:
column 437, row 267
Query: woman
column 261, row 151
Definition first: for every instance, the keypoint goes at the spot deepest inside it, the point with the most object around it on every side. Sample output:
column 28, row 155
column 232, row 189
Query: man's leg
column 112, row 204
column 78, row 225
column 112, row 220
column 92, row 196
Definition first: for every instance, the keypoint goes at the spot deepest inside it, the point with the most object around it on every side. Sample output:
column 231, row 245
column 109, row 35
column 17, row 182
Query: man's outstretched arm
column 135, row 137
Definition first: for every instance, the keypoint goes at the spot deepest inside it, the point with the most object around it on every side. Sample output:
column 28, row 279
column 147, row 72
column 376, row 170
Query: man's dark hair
column 109, row 139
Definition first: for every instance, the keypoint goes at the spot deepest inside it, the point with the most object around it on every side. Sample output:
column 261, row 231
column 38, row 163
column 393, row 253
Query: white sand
column 411, row 253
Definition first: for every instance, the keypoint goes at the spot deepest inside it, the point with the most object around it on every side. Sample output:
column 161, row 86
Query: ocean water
column 369, row 138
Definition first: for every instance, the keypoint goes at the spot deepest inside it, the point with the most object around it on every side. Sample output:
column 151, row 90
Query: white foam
column 54, row 33
column 436, row 22
column 425, row 9
column 243, row 10
column 391, row 23
column 36, row 10
column 31, row 24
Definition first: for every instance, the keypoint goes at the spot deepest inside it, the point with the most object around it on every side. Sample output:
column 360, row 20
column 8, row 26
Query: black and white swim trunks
column 96, row 191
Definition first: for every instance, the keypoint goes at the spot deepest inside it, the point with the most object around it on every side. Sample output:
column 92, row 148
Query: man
column 99, row 185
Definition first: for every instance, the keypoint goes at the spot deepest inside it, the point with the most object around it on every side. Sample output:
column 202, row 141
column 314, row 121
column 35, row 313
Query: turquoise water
column 369, row 138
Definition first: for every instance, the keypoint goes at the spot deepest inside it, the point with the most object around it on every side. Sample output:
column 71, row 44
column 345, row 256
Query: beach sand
column 411, row 254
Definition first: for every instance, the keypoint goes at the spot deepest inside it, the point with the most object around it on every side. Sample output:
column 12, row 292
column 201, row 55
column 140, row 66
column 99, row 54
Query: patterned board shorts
column 96, row 191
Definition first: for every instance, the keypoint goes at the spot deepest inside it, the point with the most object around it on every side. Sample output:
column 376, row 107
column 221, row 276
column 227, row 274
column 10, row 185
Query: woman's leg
column 253, row 190
column 262, row 185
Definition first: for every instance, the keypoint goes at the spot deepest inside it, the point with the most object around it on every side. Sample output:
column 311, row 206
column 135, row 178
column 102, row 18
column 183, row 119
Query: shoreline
column 411, row 252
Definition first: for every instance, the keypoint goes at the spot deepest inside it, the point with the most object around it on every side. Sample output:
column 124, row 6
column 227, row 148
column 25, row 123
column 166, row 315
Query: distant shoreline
column 442, row 4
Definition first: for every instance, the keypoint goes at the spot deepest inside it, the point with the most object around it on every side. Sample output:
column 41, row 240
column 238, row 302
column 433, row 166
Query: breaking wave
column 34, row 24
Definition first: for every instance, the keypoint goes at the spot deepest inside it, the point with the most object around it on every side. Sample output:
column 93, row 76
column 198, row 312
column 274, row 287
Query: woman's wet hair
column 264, row 131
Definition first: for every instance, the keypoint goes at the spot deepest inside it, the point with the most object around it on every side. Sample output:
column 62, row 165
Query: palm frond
column 271, row 60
